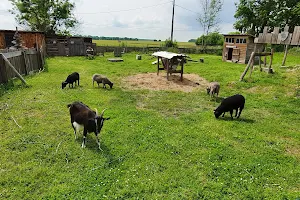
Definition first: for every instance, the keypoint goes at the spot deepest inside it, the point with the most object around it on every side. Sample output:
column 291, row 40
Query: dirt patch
column 152, row 81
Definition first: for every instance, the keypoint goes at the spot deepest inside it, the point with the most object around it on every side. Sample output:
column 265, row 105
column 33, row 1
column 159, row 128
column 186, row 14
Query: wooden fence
column 24, row 61
column 215, row 50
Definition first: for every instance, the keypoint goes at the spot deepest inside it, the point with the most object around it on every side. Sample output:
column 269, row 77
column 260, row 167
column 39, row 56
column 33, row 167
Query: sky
column 136, row 18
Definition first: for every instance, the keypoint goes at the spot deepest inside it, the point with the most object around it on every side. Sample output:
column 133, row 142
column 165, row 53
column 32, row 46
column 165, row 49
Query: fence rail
column 25, row 62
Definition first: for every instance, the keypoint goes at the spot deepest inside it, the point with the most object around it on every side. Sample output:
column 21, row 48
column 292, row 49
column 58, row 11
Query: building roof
column 2, row 30
column 239, row 35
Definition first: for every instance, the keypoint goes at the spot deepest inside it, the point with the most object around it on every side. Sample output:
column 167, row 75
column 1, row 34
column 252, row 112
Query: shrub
column 170, row 43
column 211, row 39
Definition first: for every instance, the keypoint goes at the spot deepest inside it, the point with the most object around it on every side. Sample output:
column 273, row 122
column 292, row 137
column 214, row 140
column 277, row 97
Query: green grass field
column 140, row 43
column 170, row 148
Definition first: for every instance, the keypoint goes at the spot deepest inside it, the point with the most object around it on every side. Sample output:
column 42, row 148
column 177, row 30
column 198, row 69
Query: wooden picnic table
column 170, row 62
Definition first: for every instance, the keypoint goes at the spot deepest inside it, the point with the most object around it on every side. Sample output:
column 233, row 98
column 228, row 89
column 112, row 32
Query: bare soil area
column 152, row 81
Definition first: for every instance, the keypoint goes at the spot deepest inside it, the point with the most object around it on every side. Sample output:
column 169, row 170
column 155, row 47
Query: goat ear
column 214, row 109
column 106, row 118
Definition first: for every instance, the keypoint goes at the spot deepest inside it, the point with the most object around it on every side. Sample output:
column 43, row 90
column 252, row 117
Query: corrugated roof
column 239, row 35
column 166, row 54
column 2, row 30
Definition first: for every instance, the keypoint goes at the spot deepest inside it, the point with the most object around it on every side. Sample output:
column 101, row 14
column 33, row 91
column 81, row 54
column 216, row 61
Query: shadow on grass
column 11, row 86
column 217, row 99
column 241, row 119
column 91, row 144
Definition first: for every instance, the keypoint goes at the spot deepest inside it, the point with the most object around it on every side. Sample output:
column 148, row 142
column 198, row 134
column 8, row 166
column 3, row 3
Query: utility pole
column 172, row 20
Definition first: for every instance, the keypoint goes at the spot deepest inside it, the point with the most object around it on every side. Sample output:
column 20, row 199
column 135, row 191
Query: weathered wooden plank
column 3, row 74
column 275, row 35
column 288, row 39
column 296, row 36
column 268, row 38
column 260, row 38
column 263, row 54
column 12, row 67
column 12, row 54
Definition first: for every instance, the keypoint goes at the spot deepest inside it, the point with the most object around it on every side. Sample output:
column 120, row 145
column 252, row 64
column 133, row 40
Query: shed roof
column 169, row 55
column 239, row 35
column 20, row 31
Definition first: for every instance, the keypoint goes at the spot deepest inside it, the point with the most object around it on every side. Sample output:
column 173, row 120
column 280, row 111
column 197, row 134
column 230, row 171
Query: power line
column 116, row 11
column 187, row 9
column 136, row 27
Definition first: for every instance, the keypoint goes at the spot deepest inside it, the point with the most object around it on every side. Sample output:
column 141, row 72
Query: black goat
column 234, row 102
column 70, row 80
column 83, row 116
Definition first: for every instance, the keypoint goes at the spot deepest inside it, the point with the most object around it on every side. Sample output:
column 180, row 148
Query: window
column 229, row 40
column 237, row 40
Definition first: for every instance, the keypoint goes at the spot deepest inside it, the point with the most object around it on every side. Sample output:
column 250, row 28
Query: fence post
column 3, row 75
column 25, row 62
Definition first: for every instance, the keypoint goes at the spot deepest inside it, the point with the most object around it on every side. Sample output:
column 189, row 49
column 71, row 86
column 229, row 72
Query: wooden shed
column 68, row 46
column 30, row 39
column 238, row 48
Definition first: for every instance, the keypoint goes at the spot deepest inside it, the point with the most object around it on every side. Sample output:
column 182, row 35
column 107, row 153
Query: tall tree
column 49, row 16
column 253, row 15
column 209, row 17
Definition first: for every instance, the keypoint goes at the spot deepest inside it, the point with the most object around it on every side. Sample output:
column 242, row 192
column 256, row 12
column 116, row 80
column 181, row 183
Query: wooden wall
column 2, row 40
column 242, row 48
column 25, row 62
column 68, row 46
column 29, row 39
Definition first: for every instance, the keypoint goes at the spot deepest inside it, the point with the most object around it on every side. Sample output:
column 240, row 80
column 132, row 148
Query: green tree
column 209, row 17
column 211, row 39
column 49, row 16
column 253, row 15
column 234, row 33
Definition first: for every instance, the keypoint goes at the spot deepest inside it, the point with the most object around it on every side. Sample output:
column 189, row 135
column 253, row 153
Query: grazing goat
column 83, row 116
column 234, row 102
column 102, row 79
column 70, row 80
column 213, row 88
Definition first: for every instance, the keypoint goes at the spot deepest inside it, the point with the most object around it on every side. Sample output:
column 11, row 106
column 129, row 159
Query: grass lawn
column 140, row 43
column 157, row 144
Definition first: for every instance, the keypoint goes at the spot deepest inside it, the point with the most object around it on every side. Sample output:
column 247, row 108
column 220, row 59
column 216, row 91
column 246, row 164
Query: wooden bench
column 170, row 62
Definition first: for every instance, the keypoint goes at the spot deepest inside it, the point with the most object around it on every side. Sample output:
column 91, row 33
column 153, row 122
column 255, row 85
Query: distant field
column 130, row 43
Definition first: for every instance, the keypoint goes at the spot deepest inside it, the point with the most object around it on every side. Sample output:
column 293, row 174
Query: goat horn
column 103, row 112
column 96, row 111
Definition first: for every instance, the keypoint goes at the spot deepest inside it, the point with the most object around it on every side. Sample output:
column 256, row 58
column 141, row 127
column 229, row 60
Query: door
column 229, row 54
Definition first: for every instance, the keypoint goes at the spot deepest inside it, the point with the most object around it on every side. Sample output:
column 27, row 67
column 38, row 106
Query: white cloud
column 136, row 18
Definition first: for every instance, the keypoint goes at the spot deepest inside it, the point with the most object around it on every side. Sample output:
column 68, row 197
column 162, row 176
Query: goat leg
column 98, row 142
column 239, row 112
column 84, row 138
column 231, row 112
column 74, row 130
